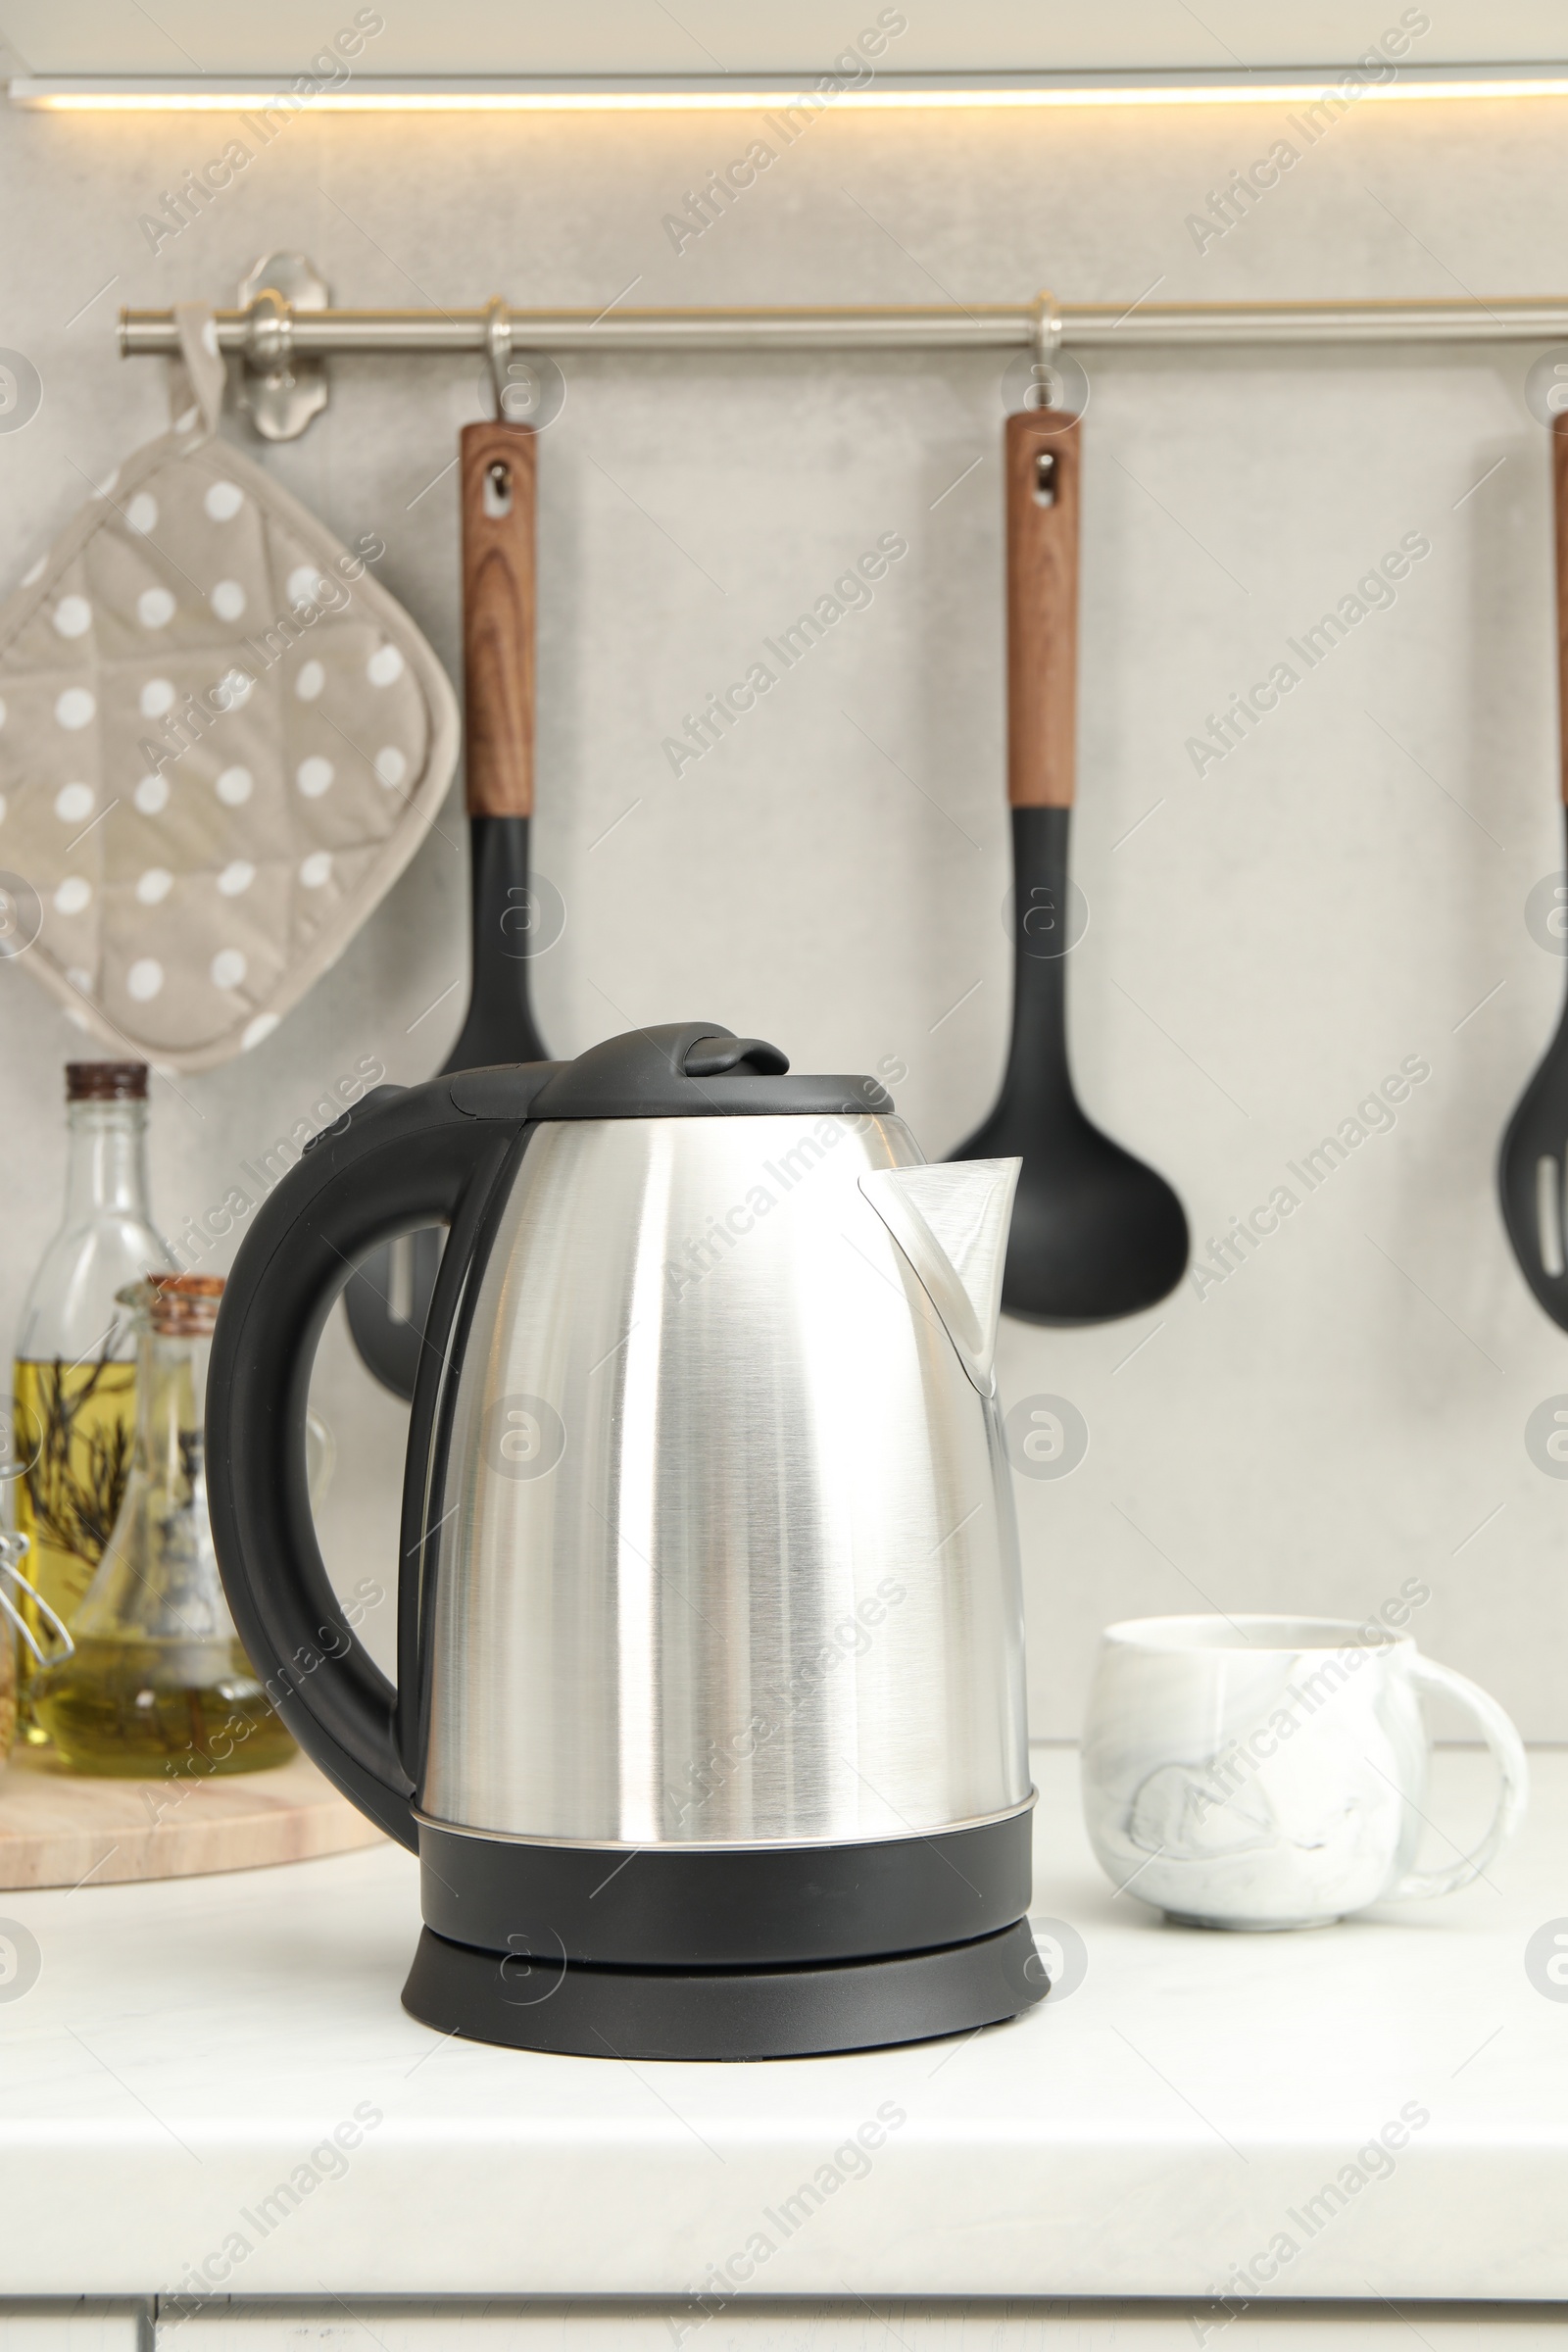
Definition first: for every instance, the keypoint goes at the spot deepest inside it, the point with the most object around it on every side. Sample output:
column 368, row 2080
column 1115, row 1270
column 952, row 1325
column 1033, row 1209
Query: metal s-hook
column 529, row 389
column 1044, row 342
column 497, row 351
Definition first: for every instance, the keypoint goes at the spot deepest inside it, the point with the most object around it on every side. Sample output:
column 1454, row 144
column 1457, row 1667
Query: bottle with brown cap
column 74, row 1401
column 159, row 1683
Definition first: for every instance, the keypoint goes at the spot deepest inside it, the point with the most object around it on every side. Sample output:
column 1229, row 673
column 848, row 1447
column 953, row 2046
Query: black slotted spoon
column 1533, row 1164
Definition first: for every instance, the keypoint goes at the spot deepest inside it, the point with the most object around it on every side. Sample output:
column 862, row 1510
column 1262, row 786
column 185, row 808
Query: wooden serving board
column 61, row 1829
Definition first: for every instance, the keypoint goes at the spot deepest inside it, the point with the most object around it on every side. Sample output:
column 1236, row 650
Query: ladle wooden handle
column 498, row 466
column 1559, row 501
column 1041, row 456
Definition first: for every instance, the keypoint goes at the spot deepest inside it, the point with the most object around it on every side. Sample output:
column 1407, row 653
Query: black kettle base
column 799, row 2012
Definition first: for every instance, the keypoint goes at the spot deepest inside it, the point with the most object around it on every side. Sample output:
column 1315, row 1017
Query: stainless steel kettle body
column 710, row 1727
column 728, row 1553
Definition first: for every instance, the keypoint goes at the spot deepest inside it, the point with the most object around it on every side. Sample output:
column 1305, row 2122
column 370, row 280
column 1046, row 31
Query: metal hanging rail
column 269, row 330
column 286, row 330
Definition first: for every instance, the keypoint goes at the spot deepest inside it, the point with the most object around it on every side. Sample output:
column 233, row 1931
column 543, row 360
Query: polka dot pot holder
column 221, row 743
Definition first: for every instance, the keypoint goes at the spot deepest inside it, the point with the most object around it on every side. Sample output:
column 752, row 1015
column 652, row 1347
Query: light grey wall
column 1345, row 891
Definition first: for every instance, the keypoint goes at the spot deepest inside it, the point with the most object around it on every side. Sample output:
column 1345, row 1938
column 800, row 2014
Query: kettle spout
column 950, row 1221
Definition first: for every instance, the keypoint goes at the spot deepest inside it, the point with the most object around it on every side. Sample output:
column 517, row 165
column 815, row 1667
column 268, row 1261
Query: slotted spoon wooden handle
column 498, row 469
column 1559, row 505
column 1041, row 458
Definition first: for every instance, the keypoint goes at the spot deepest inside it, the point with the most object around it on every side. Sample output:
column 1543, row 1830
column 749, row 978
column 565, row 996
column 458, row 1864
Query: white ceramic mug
column 1270, row 1771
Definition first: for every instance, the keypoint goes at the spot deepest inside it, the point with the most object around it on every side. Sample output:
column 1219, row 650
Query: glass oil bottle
column 160, row 1683
column 74, row 1370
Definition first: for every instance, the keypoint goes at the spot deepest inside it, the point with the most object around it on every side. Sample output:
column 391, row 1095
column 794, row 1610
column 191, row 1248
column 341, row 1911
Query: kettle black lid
column 697, row 1071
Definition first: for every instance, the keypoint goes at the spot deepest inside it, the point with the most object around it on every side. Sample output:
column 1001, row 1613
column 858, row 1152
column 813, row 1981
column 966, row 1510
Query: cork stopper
column 105, row 1082
column 185, row 1306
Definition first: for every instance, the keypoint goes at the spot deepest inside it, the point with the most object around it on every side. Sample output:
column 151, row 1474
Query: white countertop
column 187, row 2045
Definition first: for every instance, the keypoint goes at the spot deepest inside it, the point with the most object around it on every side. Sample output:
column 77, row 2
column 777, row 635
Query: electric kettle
column 708, row 1729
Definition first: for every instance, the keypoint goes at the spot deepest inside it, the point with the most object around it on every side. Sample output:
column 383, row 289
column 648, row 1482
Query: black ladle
column 1094, row 1233
column 498, row 470
column 1532, row 1165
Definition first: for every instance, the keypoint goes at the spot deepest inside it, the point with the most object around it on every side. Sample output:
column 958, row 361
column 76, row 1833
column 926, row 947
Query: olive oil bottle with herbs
column 76, row 1377
column 159, row 1682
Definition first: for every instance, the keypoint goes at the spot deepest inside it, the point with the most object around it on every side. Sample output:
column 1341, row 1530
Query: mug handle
column 1508, row 1753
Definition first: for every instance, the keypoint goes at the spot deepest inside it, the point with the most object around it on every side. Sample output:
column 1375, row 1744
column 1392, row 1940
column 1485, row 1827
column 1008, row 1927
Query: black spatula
column 1532, row 1166
column 499, row 473
column 1094, row 1233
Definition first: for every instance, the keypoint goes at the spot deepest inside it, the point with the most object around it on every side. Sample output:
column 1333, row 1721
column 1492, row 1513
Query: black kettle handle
column 398, row 1161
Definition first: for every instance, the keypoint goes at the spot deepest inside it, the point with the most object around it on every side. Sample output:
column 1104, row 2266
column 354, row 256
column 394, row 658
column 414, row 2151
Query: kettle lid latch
column 711, row 1056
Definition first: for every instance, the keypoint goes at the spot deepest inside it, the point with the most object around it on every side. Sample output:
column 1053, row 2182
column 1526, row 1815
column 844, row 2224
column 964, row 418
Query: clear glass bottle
column 75, row 1372
column 160, row 1683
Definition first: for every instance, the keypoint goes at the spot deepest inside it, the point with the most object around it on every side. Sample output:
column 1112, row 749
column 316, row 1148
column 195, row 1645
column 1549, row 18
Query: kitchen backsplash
column 1317, row 831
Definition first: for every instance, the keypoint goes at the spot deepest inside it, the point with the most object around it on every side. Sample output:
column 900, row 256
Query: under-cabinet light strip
column 1335, row 85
